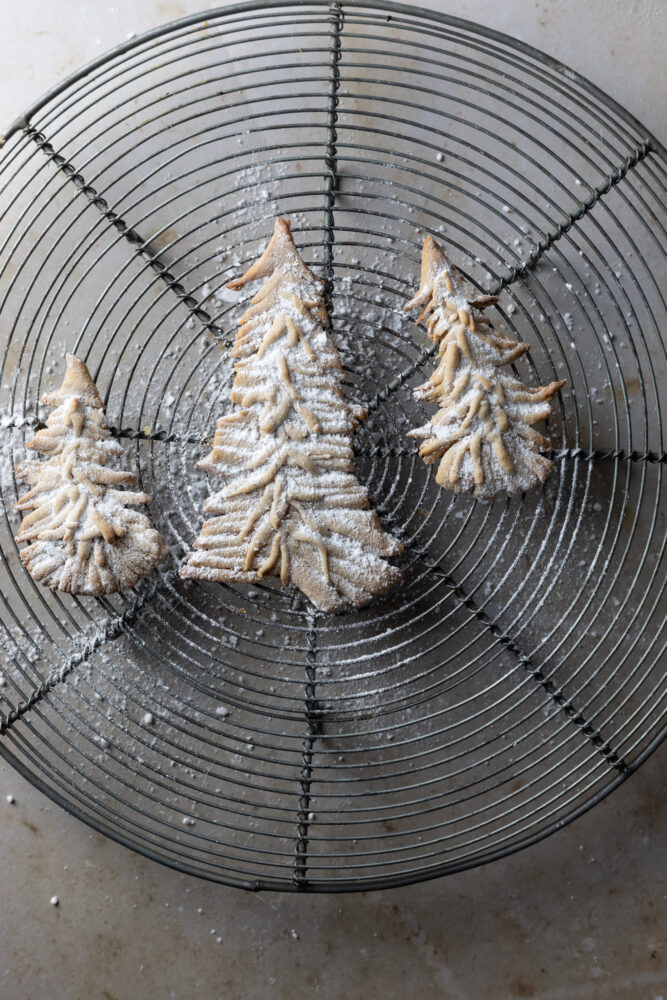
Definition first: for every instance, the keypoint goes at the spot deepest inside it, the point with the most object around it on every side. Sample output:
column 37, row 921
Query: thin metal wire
column 475, row 709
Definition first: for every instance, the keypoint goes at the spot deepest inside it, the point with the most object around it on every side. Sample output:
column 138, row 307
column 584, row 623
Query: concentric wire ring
column 516, row 676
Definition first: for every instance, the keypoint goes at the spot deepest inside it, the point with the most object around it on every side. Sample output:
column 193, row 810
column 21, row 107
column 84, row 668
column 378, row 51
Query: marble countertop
column 580, row 916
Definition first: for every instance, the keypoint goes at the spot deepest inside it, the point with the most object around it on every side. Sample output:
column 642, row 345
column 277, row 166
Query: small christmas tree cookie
column 482, row 434
column 290, row 505
column 83, row 536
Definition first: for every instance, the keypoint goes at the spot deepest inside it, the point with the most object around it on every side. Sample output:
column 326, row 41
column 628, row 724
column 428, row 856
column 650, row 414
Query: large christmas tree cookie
column 290, row 504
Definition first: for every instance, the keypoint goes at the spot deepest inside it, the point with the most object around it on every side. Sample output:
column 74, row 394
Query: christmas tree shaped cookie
column 482, row 434
column 83, row 535
column 290, row 504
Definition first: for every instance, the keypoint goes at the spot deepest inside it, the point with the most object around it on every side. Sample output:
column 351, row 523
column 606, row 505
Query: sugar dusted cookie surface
column 482, row 434
column 83, row 536
column 290, row 505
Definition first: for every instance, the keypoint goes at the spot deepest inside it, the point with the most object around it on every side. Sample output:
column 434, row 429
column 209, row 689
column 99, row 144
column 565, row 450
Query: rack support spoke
column 112, row 630
column 141, row 246
column 556, row 696
column 520, row 270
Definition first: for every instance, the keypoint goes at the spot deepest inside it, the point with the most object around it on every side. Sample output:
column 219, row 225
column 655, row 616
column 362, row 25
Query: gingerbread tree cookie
column 83, row 536
column 290, row 505
column 482, row 434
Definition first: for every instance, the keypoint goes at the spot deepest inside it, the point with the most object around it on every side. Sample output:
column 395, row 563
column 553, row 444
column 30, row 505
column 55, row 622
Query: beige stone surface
column 579, row 916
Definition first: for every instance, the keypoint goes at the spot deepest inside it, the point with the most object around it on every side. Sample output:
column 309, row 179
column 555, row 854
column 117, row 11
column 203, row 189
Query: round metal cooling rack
column 515, row 677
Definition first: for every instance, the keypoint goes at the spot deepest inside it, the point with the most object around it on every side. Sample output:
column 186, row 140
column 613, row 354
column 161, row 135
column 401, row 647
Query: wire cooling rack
column 515, row 677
